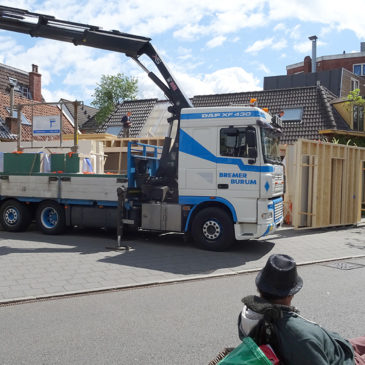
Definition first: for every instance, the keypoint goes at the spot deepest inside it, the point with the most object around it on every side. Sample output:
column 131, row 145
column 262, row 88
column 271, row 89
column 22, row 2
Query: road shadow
column 167, row 253
column 170, row 254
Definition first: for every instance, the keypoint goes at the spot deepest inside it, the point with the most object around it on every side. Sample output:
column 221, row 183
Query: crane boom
column 47, row 26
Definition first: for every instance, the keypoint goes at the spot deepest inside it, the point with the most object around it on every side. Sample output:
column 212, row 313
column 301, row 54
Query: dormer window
column 292, row 115
column 22, row 116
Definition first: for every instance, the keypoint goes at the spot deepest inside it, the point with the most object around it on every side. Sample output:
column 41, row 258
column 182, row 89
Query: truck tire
column 15, row 216
column 51, row 218
column 212, row 229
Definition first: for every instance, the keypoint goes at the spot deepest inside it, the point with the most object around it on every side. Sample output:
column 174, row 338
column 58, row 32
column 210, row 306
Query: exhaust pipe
column 314, row 38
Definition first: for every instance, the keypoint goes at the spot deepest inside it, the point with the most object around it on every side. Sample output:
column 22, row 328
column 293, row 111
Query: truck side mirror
column 251, row 137
column 251, row 143
column 252, row 152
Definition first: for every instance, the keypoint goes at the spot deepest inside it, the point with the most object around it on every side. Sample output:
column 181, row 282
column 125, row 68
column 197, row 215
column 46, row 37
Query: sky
column 211, row 46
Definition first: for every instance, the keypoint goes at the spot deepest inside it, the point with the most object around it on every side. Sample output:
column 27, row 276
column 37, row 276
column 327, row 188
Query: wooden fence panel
column 325, row 184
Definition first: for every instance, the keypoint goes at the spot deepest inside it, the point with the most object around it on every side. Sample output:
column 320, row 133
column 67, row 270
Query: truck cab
column 229, row 161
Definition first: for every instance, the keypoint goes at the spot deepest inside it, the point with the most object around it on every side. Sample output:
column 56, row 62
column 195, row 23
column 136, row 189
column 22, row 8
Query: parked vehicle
column 220, row 178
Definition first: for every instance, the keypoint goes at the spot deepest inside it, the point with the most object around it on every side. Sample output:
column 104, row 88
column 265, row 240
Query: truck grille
column 278, row 210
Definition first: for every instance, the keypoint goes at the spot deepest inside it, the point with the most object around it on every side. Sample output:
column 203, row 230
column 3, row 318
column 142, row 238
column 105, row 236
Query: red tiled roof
column 36, row 109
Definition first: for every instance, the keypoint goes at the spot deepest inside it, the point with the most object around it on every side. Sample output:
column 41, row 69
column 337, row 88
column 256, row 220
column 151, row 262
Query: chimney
column 35, row 84
column 12, row 124
column 362, row 46
column 307, row 64
column 314, row 38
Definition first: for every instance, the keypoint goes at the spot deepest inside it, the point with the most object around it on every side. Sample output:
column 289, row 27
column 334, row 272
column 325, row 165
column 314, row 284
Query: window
column 233, row 142
column 20, row 88
column 354, row 84
column 113, row 130
column 359, row 69
column 292, row 115
column 358, row 118
column 270, row 139
column 22, row 116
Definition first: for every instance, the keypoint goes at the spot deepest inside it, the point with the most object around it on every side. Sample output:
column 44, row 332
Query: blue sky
column 212, row 46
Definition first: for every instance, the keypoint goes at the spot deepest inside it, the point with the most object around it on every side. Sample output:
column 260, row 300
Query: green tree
column 354, row 98
column 113, row 90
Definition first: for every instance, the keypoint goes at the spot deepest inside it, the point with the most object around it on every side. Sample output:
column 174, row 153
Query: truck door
column 238, row 168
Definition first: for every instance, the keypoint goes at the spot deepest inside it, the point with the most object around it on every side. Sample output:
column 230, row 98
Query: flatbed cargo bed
column 66, row 187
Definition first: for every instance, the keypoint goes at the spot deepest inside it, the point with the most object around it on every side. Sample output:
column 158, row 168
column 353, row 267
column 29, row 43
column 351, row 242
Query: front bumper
column 270, row 218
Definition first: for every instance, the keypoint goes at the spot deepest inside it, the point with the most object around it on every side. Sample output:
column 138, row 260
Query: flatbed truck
column 219, row 180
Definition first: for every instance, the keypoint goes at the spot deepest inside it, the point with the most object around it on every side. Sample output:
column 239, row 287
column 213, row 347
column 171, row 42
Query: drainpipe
column 11, row 100
column 314, row 38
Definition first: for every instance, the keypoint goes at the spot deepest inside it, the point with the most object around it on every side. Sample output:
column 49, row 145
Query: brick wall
column 324, row 65
column 347, row 77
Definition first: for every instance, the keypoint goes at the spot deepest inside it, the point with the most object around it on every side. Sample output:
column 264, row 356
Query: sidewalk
column 33, row 265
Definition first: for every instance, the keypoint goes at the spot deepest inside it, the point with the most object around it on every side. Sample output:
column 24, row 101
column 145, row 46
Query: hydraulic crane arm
column 46, row 26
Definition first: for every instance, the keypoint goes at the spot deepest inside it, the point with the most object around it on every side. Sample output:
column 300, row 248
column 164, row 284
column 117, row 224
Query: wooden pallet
column 325, row 184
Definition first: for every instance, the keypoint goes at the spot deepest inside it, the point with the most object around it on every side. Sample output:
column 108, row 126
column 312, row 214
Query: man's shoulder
column 301, row 328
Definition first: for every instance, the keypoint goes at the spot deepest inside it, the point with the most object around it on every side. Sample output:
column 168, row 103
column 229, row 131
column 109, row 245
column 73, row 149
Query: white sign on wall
column 45, row 126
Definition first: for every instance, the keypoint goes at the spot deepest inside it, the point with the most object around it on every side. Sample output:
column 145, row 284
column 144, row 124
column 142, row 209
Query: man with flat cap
column 271, row 319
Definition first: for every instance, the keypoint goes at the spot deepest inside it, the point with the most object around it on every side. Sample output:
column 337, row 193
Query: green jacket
column 296, row 340
column 303, row 342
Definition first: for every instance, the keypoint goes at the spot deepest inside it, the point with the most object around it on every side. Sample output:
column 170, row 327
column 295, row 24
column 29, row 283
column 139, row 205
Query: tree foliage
column 354, row 98
column 113, row 90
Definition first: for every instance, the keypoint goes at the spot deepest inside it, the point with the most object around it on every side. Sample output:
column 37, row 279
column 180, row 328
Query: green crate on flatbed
column 72, row 163
column 68, row 163
column 26, row 163
column 57, row 162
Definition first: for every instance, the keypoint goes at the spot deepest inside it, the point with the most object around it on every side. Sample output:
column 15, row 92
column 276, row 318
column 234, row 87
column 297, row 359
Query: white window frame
column 355, row 84
column 362, row 68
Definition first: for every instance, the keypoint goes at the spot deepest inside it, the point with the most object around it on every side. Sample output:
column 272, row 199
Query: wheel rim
column 212, row 230
column 11, row 216
column 49, row 217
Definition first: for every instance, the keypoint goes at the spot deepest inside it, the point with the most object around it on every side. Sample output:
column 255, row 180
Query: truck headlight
column 266, row 215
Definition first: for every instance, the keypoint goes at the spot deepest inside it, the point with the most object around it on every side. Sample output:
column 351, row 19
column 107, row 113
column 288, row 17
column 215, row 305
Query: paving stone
column 27, row 271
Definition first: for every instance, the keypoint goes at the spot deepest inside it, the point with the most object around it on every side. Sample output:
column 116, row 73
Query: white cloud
column 226, row 80
column 56, row 95
column 295, row 32
column 259, row 45
column 262, row 67
column 216, row 41
column 278, row 45
column 306, row 46
column 233, row 79
column 331, row 12
column 280, row 27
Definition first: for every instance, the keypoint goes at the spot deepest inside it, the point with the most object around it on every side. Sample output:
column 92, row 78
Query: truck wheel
column 15, row 216
column 212, row 229
column 51, row 218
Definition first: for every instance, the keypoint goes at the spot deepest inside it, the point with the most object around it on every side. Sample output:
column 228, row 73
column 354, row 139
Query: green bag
column 246, row 353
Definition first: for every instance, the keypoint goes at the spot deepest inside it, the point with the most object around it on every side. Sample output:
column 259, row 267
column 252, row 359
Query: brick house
column 20, row 87
column 353, row 62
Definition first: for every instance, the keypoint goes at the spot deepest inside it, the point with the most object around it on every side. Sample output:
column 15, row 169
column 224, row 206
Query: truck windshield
column 270, row 145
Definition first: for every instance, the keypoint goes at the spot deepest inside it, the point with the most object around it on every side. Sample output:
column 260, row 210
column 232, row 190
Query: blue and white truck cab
column 229, row 158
